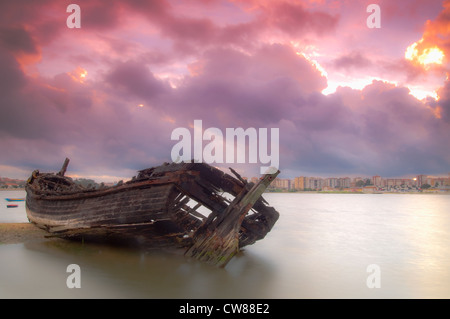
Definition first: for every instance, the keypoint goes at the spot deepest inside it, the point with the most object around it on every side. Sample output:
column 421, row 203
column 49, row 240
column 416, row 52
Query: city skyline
column 295, row 183
column 380, row 183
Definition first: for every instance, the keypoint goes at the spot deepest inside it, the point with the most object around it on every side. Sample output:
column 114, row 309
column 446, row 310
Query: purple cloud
column 236, row 73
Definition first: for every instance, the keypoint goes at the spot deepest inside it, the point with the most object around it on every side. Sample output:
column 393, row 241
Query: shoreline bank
column 19, row 233
column 311, row 192
column 345, row 192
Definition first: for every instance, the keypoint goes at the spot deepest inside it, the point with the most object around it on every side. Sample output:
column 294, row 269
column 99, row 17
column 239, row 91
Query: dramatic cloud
column 108, row 95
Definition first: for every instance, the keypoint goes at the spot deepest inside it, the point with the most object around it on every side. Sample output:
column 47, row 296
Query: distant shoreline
column 344, row 192
column 312, row 192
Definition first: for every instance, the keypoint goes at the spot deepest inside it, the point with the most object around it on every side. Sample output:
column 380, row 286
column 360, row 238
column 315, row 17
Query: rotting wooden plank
column 57, row 196
column 193, row 190
column 217, row 245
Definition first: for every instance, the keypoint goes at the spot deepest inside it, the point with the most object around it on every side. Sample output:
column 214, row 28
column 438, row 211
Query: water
column 321, row 247
column 12, row 215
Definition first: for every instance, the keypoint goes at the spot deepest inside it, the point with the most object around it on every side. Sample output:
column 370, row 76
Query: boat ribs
column 193, row 206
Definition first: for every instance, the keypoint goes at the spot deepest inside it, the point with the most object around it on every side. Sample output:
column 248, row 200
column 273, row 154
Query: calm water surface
column 320, row 248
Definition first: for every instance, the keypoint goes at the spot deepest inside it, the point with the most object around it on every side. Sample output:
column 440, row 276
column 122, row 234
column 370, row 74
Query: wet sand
column 15, row 233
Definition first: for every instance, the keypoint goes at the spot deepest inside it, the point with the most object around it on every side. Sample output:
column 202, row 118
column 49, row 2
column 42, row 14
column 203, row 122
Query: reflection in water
column 320, row 248
column 110, row 272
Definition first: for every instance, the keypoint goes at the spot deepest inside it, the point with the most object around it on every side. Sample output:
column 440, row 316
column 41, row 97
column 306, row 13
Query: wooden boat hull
column 161, row 207
column 130, row 215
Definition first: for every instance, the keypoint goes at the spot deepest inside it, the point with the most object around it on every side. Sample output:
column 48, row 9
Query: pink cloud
column 241, row 70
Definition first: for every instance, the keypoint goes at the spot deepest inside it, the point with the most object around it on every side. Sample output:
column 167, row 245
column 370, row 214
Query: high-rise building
column 344, row 182
column 421, row 180
column 299, row 183
column 314, row 183
column 282, row 183
column 331, row 182
column 377, row 181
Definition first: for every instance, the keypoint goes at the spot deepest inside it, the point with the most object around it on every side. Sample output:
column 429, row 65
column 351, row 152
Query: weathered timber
column 216, row 243
column 64, row 167
column 182, row 205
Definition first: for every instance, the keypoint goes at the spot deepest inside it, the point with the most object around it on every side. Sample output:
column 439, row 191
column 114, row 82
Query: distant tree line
column 363, row 182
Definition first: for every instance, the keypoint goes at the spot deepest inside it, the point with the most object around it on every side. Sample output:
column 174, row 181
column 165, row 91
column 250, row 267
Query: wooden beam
column 218, row 244
column 64, row 167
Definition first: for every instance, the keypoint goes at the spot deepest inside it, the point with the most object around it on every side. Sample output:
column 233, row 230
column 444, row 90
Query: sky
column 348, row 100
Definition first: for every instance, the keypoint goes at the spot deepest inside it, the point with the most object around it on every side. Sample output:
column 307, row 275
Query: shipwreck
column 191, row 206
